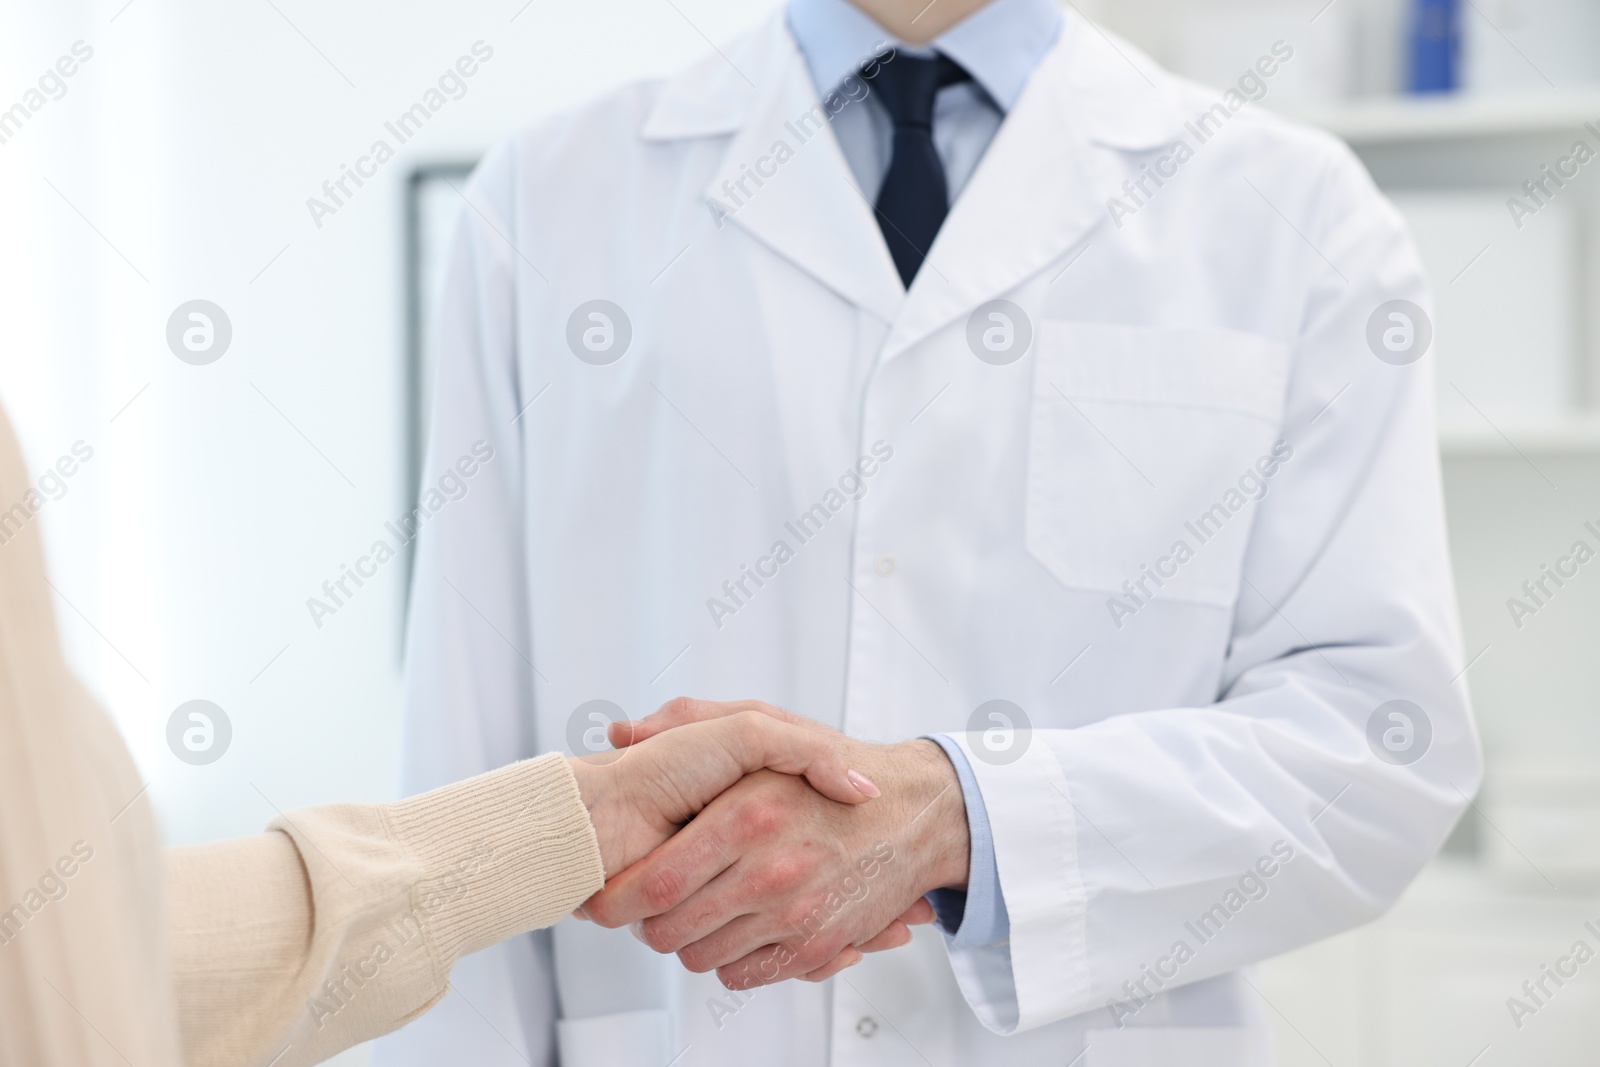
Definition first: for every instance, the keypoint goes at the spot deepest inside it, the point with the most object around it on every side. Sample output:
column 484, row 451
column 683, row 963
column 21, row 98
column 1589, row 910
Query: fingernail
column 862, row 783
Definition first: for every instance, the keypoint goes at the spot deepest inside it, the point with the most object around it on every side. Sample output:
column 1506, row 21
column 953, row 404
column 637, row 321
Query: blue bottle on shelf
column 1433, row 48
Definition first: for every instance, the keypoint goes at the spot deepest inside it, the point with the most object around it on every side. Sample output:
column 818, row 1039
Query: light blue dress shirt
column 999, row 45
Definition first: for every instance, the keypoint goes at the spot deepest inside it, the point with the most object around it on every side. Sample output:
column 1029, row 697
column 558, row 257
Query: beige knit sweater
column 338, row 924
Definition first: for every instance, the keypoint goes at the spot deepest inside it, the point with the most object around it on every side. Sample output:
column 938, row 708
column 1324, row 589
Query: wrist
column 936, row 830
column 596, row 787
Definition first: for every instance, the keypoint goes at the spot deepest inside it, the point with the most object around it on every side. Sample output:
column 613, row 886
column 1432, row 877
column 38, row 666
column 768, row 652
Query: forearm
column 342, row 922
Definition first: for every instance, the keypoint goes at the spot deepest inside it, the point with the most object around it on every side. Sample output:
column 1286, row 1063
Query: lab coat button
column 884, row 564
column 866, row 1026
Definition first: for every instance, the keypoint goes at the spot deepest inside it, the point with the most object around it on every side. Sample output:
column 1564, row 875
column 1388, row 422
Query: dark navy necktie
column 913, row 200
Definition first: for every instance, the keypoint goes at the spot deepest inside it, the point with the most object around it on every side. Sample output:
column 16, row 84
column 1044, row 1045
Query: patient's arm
column 342, row 922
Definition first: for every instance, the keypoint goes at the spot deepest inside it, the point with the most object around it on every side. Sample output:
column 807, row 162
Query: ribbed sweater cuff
column 500, row 854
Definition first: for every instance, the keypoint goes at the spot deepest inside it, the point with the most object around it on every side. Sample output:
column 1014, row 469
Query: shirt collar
column 1000, row 44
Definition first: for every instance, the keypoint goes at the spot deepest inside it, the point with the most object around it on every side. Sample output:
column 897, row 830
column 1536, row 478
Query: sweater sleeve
column 341, row 923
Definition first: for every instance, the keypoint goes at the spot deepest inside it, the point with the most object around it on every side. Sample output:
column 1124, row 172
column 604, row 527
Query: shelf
column 1569, row 435
column 1445, row 118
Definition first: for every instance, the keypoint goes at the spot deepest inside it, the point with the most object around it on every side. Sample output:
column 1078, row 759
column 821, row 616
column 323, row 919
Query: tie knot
column 907, row 85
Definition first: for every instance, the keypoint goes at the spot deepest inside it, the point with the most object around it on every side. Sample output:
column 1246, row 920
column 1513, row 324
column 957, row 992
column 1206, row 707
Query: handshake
column 765, row 846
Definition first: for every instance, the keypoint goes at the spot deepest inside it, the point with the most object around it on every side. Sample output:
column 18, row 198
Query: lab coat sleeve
column 1151, row 849
column 469, row 675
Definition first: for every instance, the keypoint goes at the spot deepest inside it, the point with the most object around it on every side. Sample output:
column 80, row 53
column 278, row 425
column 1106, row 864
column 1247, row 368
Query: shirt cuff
column 978, row 916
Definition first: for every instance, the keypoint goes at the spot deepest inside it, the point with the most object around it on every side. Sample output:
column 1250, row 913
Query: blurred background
column 174, row 163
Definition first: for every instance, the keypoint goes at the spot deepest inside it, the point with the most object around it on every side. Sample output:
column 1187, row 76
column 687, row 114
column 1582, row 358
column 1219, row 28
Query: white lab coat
column 1174, row 745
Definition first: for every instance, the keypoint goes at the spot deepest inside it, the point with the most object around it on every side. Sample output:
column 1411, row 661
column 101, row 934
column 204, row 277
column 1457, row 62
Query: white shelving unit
column 1416, row 120
column 1572, row 435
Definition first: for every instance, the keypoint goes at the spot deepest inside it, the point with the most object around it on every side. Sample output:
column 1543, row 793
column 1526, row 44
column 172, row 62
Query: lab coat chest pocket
column 1149, row 449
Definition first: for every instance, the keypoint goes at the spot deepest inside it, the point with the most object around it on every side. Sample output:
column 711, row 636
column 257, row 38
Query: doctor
column 1003, row 389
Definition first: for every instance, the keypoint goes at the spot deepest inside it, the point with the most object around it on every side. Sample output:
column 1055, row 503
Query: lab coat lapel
column 785, row 181
column 1042, row 186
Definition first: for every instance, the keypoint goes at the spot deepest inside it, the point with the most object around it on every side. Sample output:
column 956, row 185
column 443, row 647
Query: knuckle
column 750, row 720
column 697, row 958
column 812, row 961
column 811, row 957
column 758, row 708
column 768, row 964
column 662, row 888
column 679, row 707
column 891, row 938
column 602, row 911
column 736, row 976
column 781, row 874
column 658, row 934
column 762, row 816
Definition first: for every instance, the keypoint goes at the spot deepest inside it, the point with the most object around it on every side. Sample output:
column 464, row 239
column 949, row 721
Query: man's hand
column 772, row 880
column 640, row 796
